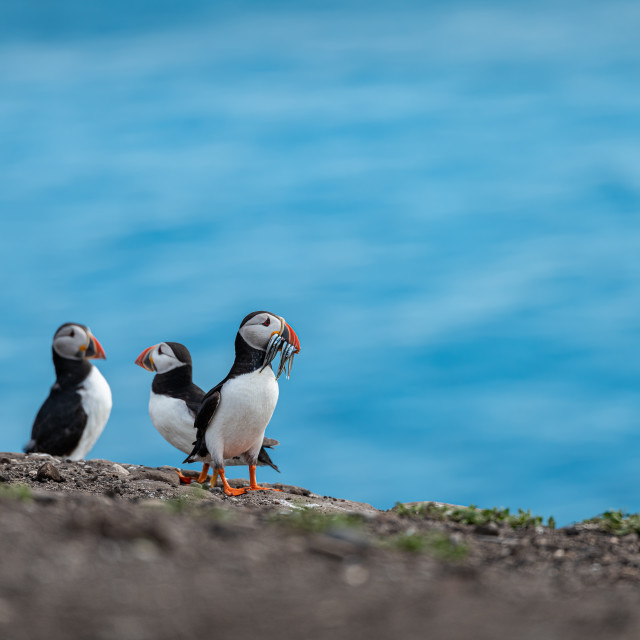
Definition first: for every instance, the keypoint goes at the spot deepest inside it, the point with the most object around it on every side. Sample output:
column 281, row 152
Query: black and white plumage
column 235, row 413
column 175, row 399
column 72, row 418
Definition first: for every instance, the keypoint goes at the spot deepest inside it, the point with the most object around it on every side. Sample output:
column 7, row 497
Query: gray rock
column 168, row 477
column 120, row 470
column 487, row 529
column 288, row 488
column 48, row 472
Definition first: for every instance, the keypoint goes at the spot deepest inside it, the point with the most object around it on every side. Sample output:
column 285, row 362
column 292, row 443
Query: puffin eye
column 159, row 351
column 72, row 334
column 267, row 322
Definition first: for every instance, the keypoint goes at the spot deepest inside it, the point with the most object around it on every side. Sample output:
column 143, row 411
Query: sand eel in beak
column 235, row 413
column 175, row 400
column 79, row 403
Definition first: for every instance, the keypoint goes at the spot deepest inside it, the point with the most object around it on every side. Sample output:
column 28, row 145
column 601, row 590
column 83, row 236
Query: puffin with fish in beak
column 235, row 413
column 175, row 400
column 79, row 403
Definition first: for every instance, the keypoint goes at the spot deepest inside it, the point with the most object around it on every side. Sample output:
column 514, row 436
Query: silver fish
column 276, row 344
column 272, row 350
column 288, row 351
column 283, row 360
column 290, row 364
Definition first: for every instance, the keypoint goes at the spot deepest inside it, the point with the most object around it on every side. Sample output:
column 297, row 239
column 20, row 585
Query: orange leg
column 229, row 490
column 253, row 485
column 200, row 479
column 203, row 474
column 184, row 479
column 214, row 478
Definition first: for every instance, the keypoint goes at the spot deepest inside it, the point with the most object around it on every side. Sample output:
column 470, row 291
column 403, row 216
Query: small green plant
column 186, row 500
column 617, row 522
column 434, row 543
column 311, row 519
column 19, row 492
column 217, row 513
column 473, row 515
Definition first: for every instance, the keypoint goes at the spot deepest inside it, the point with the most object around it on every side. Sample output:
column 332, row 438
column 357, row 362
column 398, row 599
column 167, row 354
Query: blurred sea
column 442, row 199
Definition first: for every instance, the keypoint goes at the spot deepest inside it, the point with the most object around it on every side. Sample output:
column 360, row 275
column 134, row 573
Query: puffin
column 175, row 400
column 234, row 415
column 72, row 418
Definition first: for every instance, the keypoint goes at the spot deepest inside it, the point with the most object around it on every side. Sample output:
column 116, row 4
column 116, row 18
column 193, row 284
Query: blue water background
column 442, row 198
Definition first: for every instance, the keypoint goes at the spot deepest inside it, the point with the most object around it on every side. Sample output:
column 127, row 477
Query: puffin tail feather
column 199, row 450
column 264, row 458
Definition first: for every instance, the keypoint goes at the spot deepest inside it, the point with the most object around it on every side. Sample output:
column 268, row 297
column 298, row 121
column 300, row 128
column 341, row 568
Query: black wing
column 194, row 398
column 59, row 424
column 208, row 407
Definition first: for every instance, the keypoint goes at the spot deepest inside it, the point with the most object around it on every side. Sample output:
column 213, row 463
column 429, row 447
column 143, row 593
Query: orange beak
column 94, row 350
column 144, row 359
column 292, row 337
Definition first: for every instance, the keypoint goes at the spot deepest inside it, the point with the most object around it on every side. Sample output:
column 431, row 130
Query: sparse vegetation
column 181, row 502
column 434, row 543
column 312, row 556
column 310, row 519
column 617, row 522
column 473, row 515
column 20, row 492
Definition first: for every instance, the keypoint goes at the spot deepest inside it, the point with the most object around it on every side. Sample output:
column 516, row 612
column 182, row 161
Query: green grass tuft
column 617, row 522
column 186, row 500
column 19, row 492
column 311, row 519
column 433, row 543
column 473, row 515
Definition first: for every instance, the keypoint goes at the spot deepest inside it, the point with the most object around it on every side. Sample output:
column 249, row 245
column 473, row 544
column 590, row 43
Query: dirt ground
column 124, row 552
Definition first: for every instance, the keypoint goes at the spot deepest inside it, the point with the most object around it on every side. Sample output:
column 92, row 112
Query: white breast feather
column 96, row 402
column 173, row 420
column 246, row 406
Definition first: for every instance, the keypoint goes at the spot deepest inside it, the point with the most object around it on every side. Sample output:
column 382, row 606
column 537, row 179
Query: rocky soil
column 108, row 551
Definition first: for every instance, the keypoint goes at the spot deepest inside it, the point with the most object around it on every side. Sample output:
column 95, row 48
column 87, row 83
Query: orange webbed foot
column 184, row 479
column 230, row 491
column 253, row 485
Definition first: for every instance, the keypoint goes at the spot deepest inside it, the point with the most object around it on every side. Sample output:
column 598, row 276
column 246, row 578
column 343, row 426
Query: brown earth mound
column 105, row 551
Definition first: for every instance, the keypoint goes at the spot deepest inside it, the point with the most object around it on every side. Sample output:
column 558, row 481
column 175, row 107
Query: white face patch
column 69, row 340
column 258, row 331
column 164, row 359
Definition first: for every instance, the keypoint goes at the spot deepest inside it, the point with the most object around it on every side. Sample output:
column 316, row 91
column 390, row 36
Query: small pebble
column 355, row 575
